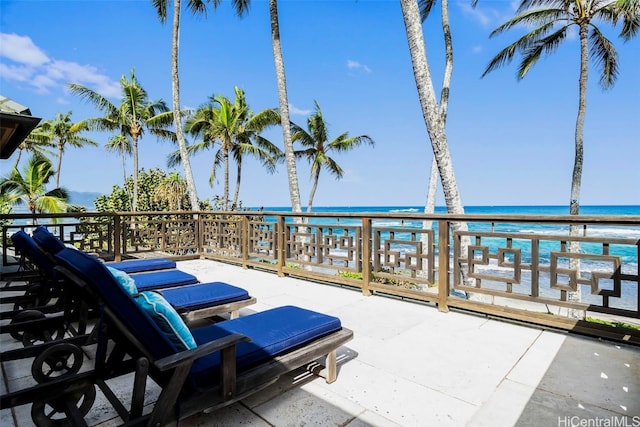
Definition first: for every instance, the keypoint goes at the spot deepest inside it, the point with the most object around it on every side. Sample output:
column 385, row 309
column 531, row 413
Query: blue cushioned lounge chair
column 52, row 244
column 145, row 280
column 223, row 363
column 191, row 298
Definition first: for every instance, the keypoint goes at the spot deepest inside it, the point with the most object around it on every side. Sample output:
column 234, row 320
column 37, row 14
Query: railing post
column 443, row 265
column 244, row 241
column 281, row 232
column 117, row 233
column 366, row 256
column 199, row 237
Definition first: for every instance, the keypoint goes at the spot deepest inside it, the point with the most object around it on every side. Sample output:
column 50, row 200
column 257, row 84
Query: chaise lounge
column 207, row 368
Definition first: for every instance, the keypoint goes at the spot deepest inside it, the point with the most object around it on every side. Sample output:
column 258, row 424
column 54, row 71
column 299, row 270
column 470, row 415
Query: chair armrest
column 171, row 362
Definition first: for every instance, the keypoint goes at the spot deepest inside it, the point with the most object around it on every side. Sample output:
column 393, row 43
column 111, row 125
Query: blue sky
column 511, row 142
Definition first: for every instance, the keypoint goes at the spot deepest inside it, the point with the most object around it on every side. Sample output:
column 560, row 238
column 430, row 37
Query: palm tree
column 135, row 115
column 430, row 109
column 197, row 7
column 236, row 130
column 318, row 147
column 61, row 133
column 425, row 8
column 290, row 159
column 552, row 21
column 172, row 189
column 28, row 187
column 121, row 144
column 36, row 143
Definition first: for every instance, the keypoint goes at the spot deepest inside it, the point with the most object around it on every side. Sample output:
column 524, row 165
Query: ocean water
column 628, row 253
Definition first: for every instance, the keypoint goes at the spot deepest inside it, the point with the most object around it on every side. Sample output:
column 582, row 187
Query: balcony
column 429, row 348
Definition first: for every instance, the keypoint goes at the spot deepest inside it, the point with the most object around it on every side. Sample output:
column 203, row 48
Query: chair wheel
column 57, row 361
column 51, row 412
column 24, row 316
column 52, row 333
column 32, row 298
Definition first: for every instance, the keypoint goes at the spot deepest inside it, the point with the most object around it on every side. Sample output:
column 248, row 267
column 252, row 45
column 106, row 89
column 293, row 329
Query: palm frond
column 199, row 7
column 546, row 4
column 161, row 9
column 605, row 57
column 100, row 102
column 543, row 17
column 629, row 12
column 425, row 7
column 241, row 6
column 545, row 45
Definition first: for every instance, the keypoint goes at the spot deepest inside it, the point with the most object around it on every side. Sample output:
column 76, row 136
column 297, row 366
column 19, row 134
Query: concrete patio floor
column 410, row 365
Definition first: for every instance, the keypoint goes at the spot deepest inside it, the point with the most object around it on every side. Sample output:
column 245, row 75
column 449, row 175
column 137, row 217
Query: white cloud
column 21, row 49
column 355, row 65
column 297, row 111
column 15, row 72
column 33, row 67
column 485, row 18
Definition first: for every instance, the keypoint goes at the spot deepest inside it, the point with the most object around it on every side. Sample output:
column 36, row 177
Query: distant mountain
column 83, row 199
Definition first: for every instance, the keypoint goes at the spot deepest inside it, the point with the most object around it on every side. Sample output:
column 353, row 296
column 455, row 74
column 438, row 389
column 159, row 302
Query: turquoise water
column 504, row 210
column 628, row 253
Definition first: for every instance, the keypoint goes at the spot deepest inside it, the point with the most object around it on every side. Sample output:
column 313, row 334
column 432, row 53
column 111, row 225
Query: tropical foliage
column 317, row 148
column 231, row 130
column 61, row 132
column 158, row 191
column 135, row 115
column 35, row 143
column 29, row 188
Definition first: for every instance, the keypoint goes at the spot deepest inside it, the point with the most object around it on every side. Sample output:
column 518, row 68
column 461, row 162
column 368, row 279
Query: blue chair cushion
column 200, row 295
column 124, row 280
column 95, row 273
column 272, row 332
column 47, row 240
column 30, row 249
column 167, row 319
column 139, row 265
column 163, row 279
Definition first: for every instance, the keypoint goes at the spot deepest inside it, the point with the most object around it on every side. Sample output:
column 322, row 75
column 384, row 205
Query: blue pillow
column 126, row 281
column 167, row 319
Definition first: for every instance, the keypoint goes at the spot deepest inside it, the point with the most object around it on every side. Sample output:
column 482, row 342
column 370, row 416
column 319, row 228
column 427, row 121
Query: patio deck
column 411, row 365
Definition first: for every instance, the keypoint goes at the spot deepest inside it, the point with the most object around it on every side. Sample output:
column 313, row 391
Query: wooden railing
column 518, row 267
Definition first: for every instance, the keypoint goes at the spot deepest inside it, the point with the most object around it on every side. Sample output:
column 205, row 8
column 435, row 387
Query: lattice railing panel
column 405, row 253
column 328, row 246
column 222, row 237
column 541, row 268
column 262, row 240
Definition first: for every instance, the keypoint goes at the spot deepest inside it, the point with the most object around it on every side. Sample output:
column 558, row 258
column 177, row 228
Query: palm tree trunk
column 60, row 150
column 124, row 170
column 312, row 193
column 430, row 205
column 134, row 204
column 290, row 160
column 430, row 110
column 433, row 119
column 236, row 194
column 576, row 177
column 225, row 201
column 15, row 165
column 175, row 86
